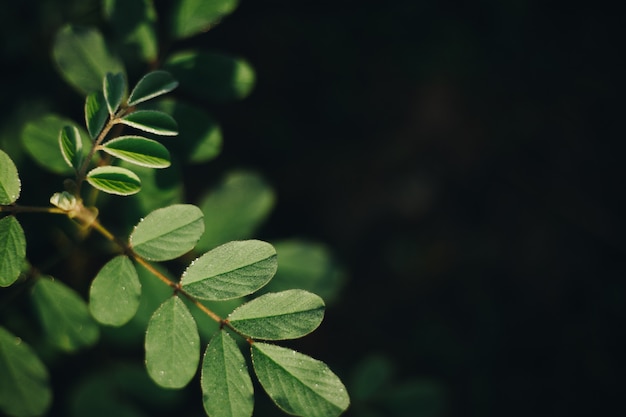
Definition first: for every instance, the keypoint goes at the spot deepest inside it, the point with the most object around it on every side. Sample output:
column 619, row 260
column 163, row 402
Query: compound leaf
column 191, row 17
column 10, row 185
column 153, row 84
column 168, row 232
column 231, row 270
column 64, row 315
column 278, row 316
column 96, row 113
column 115, row 292
column 172, row 345
column 114, row 88
column 114, row 180
column 71, row 146
column 138, row 150
column 152, row 121
column 297, row 383
column 226, row 385
column 12, row 250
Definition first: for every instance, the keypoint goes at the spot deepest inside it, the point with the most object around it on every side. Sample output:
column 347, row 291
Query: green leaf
column 64, row 315
column 235, row 208
column 114, row 88
column 12, row 250
column 153, row 84
column 114, row 180
column 134, row 21
column 278, row 316
column 297, row 383
column 82, row 58
column 71, row 146
column 172, row 345
column 24, row 385
column 212, row 76
column 232, row 270
column 10, row 185
column 152, row 121
column 167, row 233
column 138, row 150
column 191, row 17
column 226, row 385
column 115, row 292
column 96, row 113
column 159, row 187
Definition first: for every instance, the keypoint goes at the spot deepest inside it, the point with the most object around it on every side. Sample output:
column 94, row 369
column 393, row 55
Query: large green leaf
column 231, row 270
column 83, row 58
column 133, row 22
column 10, row 185
column 24, row 386
column 191, row 17
column 12, row 250
column 172, row 345
column 226, row 385
column 64, row 315
column 114, row 88
column 71, row 146
column 115, row 292
column 277, row 316
column 211, row 75
column 114, row 180
column 168, row 233
column 297, row 383
column 138, row 150
column 153, row 84
column 152, row 121
column 96, row 113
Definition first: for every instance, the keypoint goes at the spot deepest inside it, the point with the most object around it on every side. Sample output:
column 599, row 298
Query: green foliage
column 114, row 180
column 12, row 250
column 9, row 180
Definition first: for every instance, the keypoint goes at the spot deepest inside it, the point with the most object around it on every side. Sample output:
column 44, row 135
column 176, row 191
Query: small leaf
column 96, row 113
column 168, row 232
column 10, row 185
column 278, row 316
column 64, row 315
column 191, row 17
column 172, row 345
column 113, row 87
column 153, row 84
column 232, row 270
column 139, row 151
column 226, row 385
column 297, row 383
column 24, row 385
column 114, row 180
column 115, row 292
column 12, row 250
column 152, row 121
column 71, row 146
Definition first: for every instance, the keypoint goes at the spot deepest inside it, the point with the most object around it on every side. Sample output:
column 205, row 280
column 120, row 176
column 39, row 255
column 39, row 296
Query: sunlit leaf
column 297, row 383
column 153, row 84
column 152, row 121
column 138, row 150
column 96, row 113
column 71, row 146
column 10, row 184
column 114, row 180
column 134, row 21
column 12, row 250
column 231, row 270
column 114, row 88
column 191, row 17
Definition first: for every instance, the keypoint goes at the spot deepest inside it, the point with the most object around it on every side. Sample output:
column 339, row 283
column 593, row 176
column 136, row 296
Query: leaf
column 64, row 315
column 138, row 150
column 152, row 121
column 226, row 385
column 115, row 292
column 153, row 84
column 297, row 383
column 71, row 146
column 10, row 185
column 114, row 180
column 278, row 316
column 232, row 270
column 172, row 345
column 167, row 233
column 24, row 386
column 83, row 58
column 191, row 17
column 96, row 113
column 211, row 75
column 12, row 250
column 114, row 88
column 133, row 21
column 159, row 187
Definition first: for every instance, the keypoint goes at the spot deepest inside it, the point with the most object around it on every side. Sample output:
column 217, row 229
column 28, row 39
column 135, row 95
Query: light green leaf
column 114, row 180
column 152, row 121
column 24, row 386
column 168, row 232
column 134, row 21
column 114, row 88
column 211, row 75
column 71, row 146
column 297, row 383
column 83, row 59
column 10, row 185
column 115, row 292
column 12, row 250
column 278, row 316
column 153, row 84
column 235, row 208
column 172, row 345
column 64, row 315
column 96, row 113
column 191, row 17
column 138, row 150
column 226, row 385
column 232, row 270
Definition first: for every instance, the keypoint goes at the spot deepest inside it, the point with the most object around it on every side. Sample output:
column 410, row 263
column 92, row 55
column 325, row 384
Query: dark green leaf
column 152, row 121
column 139, row 151
column 96, row 113
column 12, row 250
column 134, row 22
column 71, row 146
column 10, row 185
column 153, row 84
column 114, row 180
column 114, row 88
column 371, row 377
column 159, row 187
column 191, row 17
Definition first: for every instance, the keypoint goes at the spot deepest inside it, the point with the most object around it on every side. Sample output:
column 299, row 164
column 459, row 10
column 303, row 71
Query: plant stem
column 14, row 208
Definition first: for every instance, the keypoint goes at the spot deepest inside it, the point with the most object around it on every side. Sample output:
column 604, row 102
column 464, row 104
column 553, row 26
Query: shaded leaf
column 190, row 17
column 159, row 187
column 114, row 88
column 138, row 150
column 71, row 146
column 12, row 250
column 152, row 121
column 96, row 113
column 153, row 84
column 114, row 180
column 10, row 185
column 133, row 22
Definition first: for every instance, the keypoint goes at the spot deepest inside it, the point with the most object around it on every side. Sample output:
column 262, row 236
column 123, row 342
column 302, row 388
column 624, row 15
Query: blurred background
column 462, row 163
